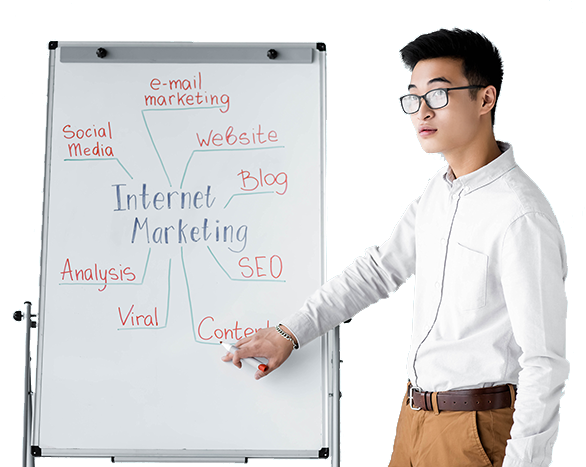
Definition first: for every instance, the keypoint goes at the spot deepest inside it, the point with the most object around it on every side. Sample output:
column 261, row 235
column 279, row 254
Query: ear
column 487, row 99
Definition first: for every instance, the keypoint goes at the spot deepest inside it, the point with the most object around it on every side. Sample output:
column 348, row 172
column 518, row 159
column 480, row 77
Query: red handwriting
column 195, row 98
column 146, row 320
column 96, row 274
column 98, row 149
column 222, row 102
column 256, row 136
column 184, row 84
column 206, row 331
column 250, row 183
column 91, row 132
column 275, row 264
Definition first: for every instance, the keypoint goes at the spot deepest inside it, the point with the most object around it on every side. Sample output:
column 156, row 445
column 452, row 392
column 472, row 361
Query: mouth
column 423, row 132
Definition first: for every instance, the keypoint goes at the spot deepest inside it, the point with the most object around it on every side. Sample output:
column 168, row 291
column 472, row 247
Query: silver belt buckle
column 411, row 389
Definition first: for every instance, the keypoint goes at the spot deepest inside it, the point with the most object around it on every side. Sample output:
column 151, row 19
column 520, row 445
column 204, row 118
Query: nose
column 424, row 112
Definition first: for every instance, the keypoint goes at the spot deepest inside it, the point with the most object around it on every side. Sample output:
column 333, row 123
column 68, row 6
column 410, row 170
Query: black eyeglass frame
column 476, row 86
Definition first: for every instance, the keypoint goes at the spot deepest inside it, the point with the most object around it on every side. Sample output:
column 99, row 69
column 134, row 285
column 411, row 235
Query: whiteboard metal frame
column 176, row 52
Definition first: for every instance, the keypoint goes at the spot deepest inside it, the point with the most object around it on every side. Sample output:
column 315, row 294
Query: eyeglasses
column 435, row 99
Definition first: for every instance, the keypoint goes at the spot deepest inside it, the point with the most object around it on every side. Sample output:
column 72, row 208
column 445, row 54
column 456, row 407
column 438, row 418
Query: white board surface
column 183, row 207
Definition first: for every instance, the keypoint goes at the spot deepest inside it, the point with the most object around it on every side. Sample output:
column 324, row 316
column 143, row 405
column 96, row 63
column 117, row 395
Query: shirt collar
column 486, row 174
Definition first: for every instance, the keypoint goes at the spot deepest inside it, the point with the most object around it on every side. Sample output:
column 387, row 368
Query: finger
column 237, row 363
column 250, row 350
column 227, row 357
column 273, row 364
column 236, row 359
column 243, row 341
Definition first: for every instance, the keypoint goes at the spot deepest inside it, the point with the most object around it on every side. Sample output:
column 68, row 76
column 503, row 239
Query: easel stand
column 27, row 459
column 181, row 104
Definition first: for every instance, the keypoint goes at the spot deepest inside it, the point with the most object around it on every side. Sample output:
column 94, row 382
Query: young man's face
column 451, row 128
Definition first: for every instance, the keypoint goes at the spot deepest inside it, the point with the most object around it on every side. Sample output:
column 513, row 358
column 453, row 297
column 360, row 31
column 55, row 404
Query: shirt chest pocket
column 465, row 279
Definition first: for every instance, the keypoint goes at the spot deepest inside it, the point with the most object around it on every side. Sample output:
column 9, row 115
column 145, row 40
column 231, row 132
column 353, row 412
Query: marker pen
column 255, row 362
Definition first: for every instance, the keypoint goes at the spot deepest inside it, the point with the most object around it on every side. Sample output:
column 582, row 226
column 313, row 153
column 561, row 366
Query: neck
column 468, row 159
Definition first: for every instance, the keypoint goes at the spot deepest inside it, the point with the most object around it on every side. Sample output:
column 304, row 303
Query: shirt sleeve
column 371, row 277
column 533, row 273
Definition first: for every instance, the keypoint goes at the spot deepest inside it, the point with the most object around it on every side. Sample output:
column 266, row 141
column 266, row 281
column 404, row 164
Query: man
column 487, row 360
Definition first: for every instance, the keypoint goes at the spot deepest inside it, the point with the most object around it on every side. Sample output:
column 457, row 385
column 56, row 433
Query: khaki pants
column 451, row 439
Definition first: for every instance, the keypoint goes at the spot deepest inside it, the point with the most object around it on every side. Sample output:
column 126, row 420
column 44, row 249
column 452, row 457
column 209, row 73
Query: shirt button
column 443, row 241
column 437, row 285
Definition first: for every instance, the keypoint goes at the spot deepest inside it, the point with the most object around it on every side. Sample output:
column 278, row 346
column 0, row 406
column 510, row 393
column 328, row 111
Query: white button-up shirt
column 490, row 307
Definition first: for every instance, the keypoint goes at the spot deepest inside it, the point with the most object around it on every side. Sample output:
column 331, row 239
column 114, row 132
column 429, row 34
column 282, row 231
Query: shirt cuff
column 300, row 327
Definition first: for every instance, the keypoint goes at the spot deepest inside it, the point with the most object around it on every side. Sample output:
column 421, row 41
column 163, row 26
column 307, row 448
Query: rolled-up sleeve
column 370, row 278
column 533, row 273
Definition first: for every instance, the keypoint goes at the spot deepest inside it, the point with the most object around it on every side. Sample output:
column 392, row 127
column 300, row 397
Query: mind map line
column 191, row 305
column 222, row 150
column 248, row 194
column 241, row 280
column 151, row 328
column 93, row 159
column 155, row 146
column 151, row 136
column 239, row 149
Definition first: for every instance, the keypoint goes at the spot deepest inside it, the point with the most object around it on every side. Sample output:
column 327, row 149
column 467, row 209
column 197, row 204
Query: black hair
column 482, row 64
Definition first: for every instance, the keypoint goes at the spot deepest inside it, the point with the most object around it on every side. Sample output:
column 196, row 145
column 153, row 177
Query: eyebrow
column 439, row 79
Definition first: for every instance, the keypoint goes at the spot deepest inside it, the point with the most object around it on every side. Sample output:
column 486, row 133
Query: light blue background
column 375, row 164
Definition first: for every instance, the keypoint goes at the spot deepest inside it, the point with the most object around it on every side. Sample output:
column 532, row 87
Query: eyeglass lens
column 435, row 99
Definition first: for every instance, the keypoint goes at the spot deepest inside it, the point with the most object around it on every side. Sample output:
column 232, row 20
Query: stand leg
column 27, row 459
column 30, row 460
column 336, row 394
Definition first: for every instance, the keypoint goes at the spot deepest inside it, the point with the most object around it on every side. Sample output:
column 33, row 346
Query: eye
column 436, row 98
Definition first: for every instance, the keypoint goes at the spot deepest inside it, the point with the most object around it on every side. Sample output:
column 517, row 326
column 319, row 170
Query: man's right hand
column 266, row 343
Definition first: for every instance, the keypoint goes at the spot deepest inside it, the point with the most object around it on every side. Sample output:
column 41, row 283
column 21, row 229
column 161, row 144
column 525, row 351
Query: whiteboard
column 183, row 207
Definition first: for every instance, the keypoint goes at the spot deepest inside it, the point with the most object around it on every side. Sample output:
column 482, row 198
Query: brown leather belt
column 496, row 397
